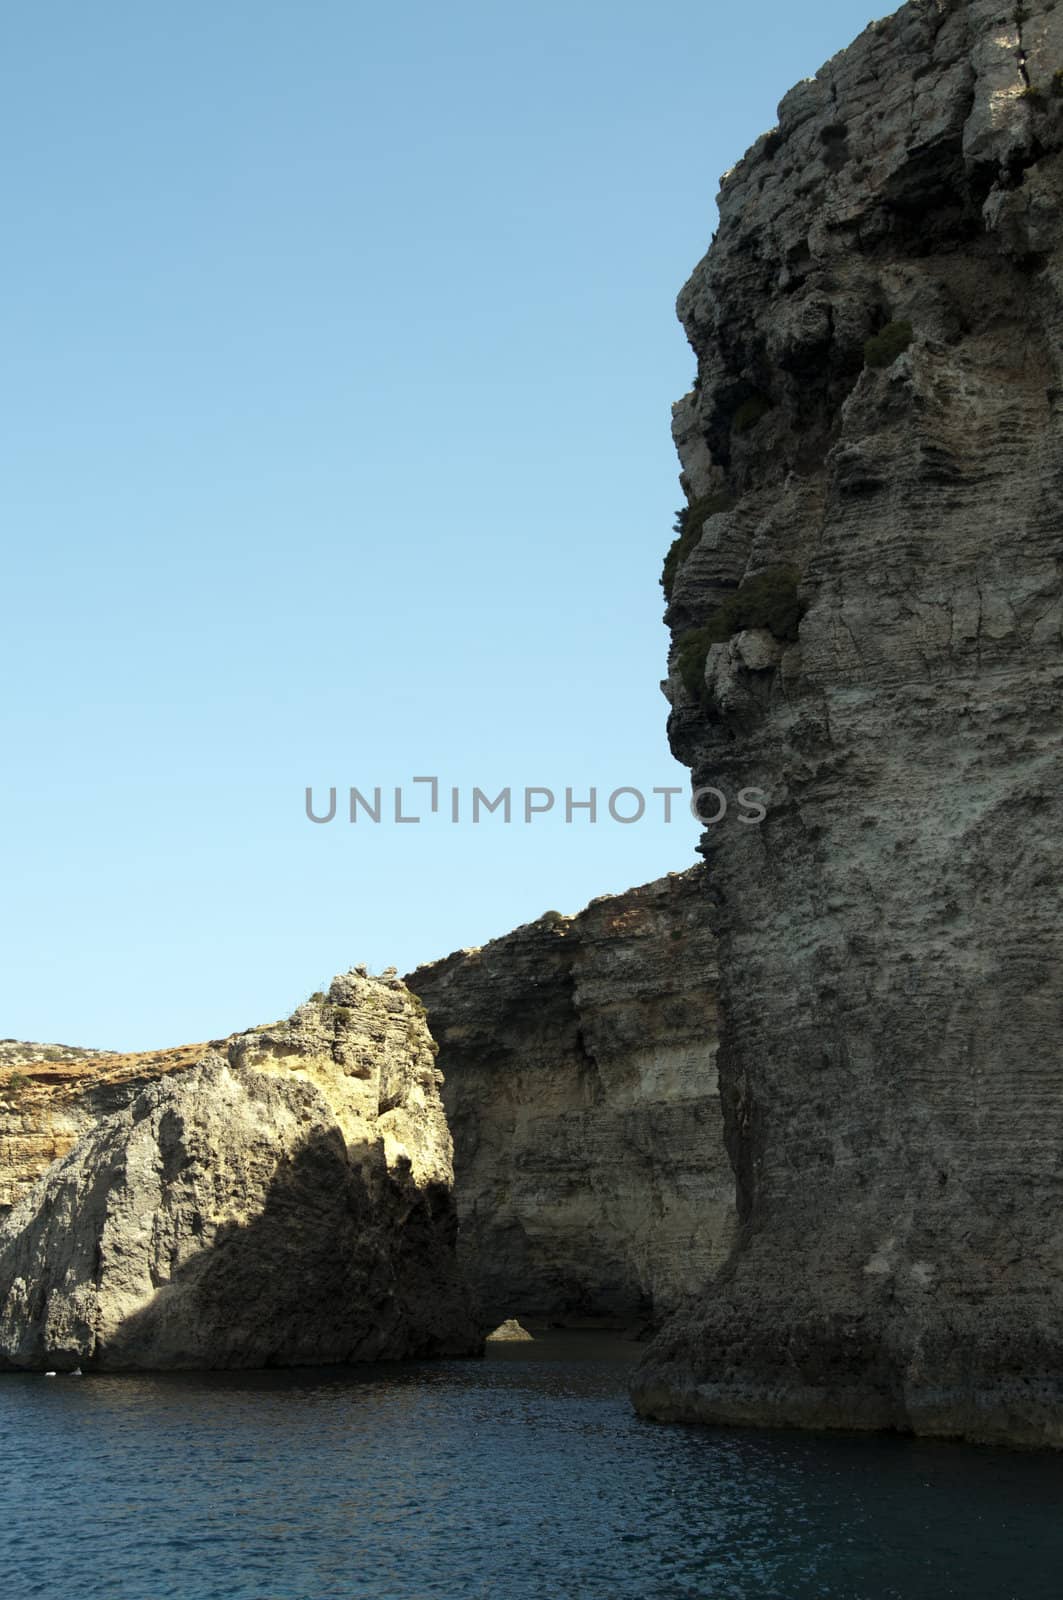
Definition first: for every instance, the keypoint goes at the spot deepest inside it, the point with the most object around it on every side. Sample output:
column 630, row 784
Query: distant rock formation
column 50, row 1095
column 284, row 1200
column 866, row 598
column 509, row 1332
column 580, row 1085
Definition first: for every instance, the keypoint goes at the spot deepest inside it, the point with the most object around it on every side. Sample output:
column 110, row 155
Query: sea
column 522, row 1476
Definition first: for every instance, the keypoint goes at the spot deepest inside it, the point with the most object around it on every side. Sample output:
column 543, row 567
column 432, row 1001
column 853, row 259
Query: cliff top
column 558, row 924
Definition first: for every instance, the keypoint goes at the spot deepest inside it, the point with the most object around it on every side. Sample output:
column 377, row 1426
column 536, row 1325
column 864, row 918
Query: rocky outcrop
column 876, row 428
column 284, row 1200
column 510, row 1332
column 580, row 1087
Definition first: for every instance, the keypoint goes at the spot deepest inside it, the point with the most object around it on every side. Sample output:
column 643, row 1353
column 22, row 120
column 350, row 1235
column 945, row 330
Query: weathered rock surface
column 284, row 1200
column 580, row 1087
column 509, row 1332
column 890, row 939
column 50, row 1095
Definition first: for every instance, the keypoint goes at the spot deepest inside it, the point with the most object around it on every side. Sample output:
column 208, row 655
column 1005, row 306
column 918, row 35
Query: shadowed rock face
column 286, row 1200
column 890, row 939
column 580, row 1087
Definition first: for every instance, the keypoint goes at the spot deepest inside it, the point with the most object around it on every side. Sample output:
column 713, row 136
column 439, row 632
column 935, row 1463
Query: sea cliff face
column 876, row 427
column 284, row 1199
column 579, row 1068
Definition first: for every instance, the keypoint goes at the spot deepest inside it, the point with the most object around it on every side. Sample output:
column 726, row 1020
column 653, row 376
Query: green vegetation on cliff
column 689, row 521
column 883, row 348
column 767, row 600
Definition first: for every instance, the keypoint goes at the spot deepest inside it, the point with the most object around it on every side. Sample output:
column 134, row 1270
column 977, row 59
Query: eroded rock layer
column 50, row 1095
column 284, row 1199
column 580, row 1086
column 876, row 422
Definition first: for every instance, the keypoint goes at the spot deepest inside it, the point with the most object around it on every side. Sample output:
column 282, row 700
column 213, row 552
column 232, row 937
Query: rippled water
column 525, row 1475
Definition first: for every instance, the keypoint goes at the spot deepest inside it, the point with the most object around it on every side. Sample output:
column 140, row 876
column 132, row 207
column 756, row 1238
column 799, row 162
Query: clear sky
column 339, row 350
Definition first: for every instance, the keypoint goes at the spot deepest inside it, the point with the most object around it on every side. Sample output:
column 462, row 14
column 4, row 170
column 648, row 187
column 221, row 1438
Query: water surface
column 525, row 1476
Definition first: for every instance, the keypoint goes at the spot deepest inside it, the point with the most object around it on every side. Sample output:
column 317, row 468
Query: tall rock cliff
column 284, row 1199
column 866, row 607
column 578, row 1056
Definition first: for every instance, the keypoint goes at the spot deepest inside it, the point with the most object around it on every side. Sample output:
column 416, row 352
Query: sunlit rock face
column 579, row 1058
column 878, row 328
column 51, row 1095
column 284, row 1200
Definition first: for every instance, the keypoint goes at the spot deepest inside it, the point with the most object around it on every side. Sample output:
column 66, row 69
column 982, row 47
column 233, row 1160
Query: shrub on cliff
column 690, row 659
column 767, row 600
column 883, row 348
column 687, row 527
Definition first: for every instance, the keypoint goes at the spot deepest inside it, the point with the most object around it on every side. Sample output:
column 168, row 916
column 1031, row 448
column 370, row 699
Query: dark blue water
column 522, row 1477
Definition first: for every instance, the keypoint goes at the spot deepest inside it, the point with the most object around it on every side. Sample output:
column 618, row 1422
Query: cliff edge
column 865, row 598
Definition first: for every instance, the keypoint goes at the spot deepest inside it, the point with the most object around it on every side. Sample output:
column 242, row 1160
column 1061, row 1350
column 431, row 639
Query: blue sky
column 339, row 353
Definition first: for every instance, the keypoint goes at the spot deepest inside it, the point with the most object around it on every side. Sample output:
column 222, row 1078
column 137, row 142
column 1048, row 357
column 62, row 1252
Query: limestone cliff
column 50, row 1095
column 866, row 606
column 285, row 1199
column 580, row 1087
